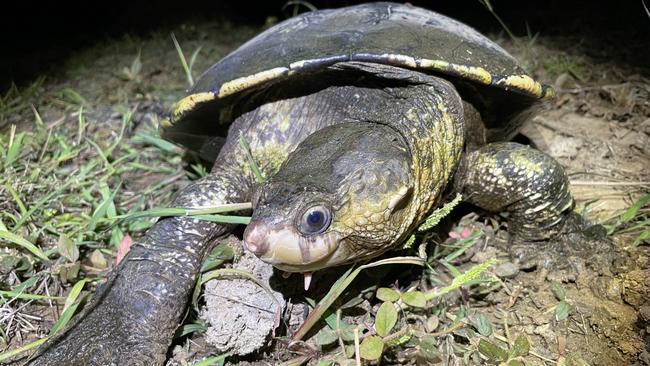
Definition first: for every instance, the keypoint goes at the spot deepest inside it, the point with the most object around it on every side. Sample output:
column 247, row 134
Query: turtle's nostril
column 255, row 238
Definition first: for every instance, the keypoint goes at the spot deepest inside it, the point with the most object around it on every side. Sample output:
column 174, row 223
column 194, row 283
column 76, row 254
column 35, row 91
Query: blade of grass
column 629, row 214
column 488, row 5
column 70, row 307
column 171, row 211
column 163, row 145
column 216, row 360
column 339, row 287
column 464, row 245
column 14, row 294
column 181, row 56
column 100, row 212
column 24, row 243
column 46, row 199
column 15, row 144
column 259, row 178
column 81, row 124
column 462, row 280
column 225, row 219
column 25, row 348
column 16, row 197
column 193, row 58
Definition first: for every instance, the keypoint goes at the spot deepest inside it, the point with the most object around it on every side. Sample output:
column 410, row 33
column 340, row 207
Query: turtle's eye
column 315, row 220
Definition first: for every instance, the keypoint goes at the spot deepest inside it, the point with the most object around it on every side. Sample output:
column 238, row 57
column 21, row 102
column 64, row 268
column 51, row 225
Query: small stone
column 432, row 323
column 644, row 312
column 485, row 255
column 613, row 290
column 506, row 270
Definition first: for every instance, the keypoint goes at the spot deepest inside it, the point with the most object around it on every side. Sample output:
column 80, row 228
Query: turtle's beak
column 255, row 237
column 285, row 248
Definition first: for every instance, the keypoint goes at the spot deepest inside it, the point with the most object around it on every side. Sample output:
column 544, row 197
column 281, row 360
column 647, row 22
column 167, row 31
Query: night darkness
column 37, row 36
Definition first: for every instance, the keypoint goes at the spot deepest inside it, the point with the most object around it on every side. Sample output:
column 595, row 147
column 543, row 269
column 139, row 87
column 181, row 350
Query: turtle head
column 341, row 196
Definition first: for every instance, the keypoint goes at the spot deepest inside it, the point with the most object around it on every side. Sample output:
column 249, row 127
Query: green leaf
column 219, row 254
column 346, row 331
column 634, row 209
column 16, row 294
column 558, row 291
column 432, row 323
column 212, row 361
column 349, row 350
column 415, row 299
column 491, row 351
column 516, row 363
column 67, row 248
column 98, row 260
column 483, row 325
column 428, row 346
column 186, row 329
column 630, row 214
column 326, row 336
column 25, row 348
column 11, row 237
column 562, row 310
column 181, row 56
column 386, row 318
column 387, row 294
column 520, row 348
column 195, row 212
column 643, row 236
column 371, row 348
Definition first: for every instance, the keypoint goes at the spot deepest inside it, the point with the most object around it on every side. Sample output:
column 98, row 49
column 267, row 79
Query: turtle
column 361, row 120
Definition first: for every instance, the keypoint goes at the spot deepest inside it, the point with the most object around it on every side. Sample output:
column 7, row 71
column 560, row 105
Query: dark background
column 37, row 36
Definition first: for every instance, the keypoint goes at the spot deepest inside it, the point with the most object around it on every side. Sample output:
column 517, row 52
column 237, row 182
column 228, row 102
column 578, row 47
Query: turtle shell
column 387, row 33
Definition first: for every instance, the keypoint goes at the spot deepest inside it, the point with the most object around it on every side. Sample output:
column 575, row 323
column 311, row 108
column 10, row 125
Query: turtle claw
column 578, row 245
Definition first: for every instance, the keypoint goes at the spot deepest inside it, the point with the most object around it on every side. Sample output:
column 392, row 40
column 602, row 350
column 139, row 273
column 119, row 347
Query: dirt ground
column 598, row 127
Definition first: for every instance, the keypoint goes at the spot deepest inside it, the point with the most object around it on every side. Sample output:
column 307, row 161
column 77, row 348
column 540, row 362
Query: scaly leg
column 534, row 191
column 526, row 183
column 131, row 321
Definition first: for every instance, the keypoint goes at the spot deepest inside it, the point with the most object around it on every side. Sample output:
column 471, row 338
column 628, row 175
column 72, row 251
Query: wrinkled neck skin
column 377, row 174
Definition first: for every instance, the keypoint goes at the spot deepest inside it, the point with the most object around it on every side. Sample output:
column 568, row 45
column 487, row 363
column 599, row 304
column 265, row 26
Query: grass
column 63, row 190
column 66, row 195
column 75, row 185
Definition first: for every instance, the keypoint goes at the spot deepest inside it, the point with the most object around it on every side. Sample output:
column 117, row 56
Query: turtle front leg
column 131, row 321
column 534, row 190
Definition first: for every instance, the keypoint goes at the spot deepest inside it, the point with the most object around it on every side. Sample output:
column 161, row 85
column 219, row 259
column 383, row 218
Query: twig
column 607, row 183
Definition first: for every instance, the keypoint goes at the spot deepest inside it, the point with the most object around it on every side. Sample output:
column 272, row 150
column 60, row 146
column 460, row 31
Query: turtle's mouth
column 287, row 249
